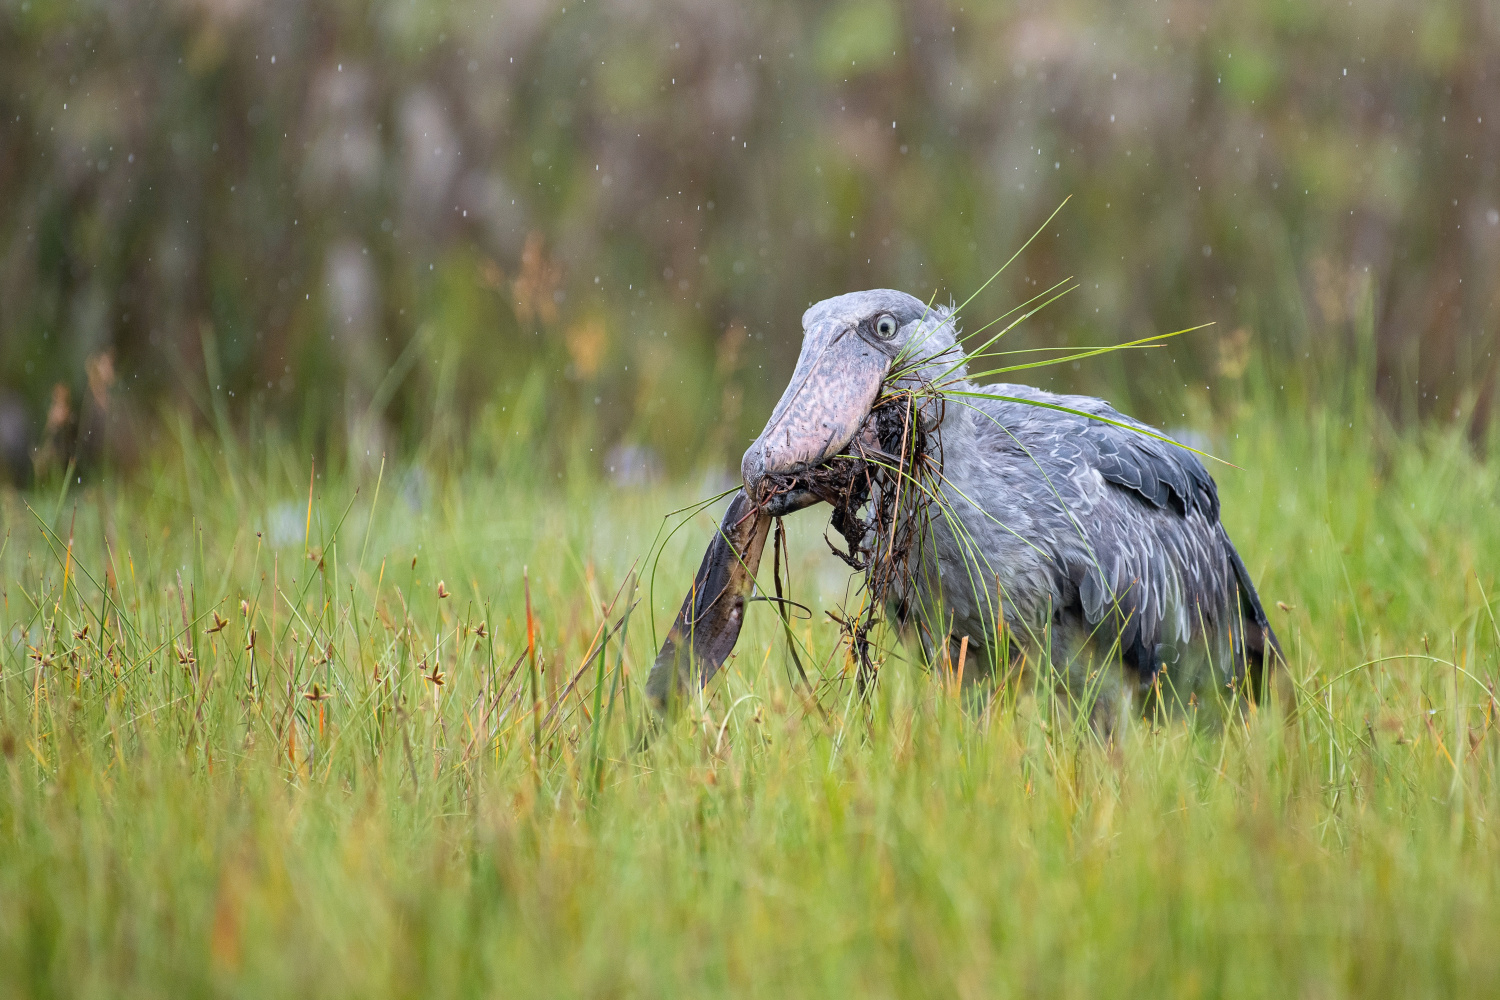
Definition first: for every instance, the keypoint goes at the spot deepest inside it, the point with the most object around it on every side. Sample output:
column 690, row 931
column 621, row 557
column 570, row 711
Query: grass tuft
column 255, row 740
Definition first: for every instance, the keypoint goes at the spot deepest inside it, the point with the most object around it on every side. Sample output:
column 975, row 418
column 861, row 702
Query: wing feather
column 1140, row 547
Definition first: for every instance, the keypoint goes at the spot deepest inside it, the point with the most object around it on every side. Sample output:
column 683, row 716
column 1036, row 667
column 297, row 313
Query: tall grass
column 249, row 748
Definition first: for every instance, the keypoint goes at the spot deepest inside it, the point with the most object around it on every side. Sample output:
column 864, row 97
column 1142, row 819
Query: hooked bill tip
column 837, row 378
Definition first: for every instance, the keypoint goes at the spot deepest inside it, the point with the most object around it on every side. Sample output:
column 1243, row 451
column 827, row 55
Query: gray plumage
column 1046, row 532
column 1095, row 541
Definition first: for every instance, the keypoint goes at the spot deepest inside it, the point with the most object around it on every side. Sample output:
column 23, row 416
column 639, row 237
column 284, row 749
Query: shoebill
column 1015, row 530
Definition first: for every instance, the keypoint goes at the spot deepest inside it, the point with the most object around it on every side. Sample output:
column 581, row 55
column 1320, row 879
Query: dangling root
column 882, row 503
column 879, row 490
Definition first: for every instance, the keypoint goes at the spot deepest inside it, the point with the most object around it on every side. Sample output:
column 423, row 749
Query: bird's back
column 1076, row 514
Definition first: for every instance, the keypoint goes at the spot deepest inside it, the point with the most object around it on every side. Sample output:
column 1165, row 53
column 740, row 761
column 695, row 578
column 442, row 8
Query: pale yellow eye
column 886, row 326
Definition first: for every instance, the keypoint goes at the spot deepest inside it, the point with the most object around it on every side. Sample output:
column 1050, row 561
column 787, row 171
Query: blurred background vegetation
column 547, row 227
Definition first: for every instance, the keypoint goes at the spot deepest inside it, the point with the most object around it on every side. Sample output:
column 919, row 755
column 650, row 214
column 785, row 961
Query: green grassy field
column 250, row 749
